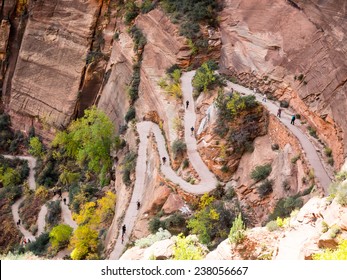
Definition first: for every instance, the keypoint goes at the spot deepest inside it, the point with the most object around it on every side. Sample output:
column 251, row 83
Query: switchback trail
column 207, row 179
column 41, row 223
column 310, row 151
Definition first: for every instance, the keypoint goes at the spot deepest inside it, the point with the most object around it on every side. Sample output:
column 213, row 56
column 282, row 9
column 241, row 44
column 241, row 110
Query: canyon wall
column 50, row 64
column 293, row 50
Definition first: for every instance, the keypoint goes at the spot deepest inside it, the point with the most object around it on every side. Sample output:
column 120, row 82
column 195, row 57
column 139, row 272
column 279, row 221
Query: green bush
column 237, row 231
column 295, row 159
column 131, row 114
column 145, row 242
column 325, row 227
column 261, row 172
column 285, row 206
column 204, row 78
column 179, row 148
column 60, row 236
column 224, row 169
column 328, row 151
column 53, row 213
column 272, row 226
column 330, row 161
column 40, row 245
column 185, row 163
column 155, row 224
column 138, row 37
column 338, row 190
column 129, row 165
column 147, row 6
column 131, row 13
column 265, row 188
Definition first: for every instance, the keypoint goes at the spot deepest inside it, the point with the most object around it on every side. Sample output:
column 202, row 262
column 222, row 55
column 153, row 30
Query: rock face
column 51, row 61
column 294, row 50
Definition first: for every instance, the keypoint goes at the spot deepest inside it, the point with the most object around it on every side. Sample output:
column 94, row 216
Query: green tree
column 89, row 139
column 60, row 236
column 203, row 220
column 204, row 77
column 186, row 248
column 237, row 231
column 35, row 147
column 85, row 243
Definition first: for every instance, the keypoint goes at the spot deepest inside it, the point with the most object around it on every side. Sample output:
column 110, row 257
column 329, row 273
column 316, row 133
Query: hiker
column 138, row 204
column 164, row 160
column 293, row 120
column 254, row 91
column 64, row 200
column 124, row 229
column 122, row 238
column 192, row 130
column 18, row 223
column 59, row 193
column 279, row 112
column 29, row 240
column 187, row 104
column 264, row 97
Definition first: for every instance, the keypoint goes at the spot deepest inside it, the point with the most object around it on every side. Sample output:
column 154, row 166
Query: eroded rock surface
column 51, row 61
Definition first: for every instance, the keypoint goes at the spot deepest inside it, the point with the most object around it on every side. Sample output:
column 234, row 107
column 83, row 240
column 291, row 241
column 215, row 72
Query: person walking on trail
column 124, row 229
column 192, row 130
column 187, row 104
column 18, row 223
column 64, row 200
column 164, row 160
column 264, row 97
column 138, row 204
column 293, row 120
column 279, row 112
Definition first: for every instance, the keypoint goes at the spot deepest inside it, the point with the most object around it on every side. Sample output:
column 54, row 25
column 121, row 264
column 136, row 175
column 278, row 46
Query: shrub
column 204, row 78
column 224, row 169
column 275, row 147
column 330, row 161
column 328, row 151
column 272, row 226
column 138, row 38
column 312, row 132
column 131, row 114
column 325, row 227
column 298, row 116
column 129, row 164
column 286, row 185
column 179, row 148
column 230, row 193
column 295, row 159
column 147, row 6
column 261, row 172
column 172, row 68
column 53, row 213
column 284, row 104
column 35, row 147
column 40, row 245
column 131, row 13
column 265, row 188
column 187, row 248
column 60, row 236
column 237, row 231
column 285, row 206
column 155, row 224
column 334, row 231
column 152, row 238
column 85, row 243
column 185, row 163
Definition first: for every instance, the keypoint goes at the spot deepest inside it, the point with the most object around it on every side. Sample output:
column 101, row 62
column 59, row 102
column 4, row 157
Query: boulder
column 173, row 203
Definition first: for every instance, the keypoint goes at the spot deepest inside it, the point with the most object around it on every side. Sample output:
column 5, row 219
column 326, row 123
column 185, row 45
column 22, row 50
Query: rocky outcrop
column 294, row 52
column 50, row 66
column 4, row 36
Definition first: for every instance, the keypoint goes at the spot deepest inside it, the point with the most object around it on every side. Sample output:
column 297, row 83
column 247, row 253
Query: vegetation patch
column 171, row 83
column 265, row 188
column 238, row 231
column 261, row 172
column 129, row 165
column 205, row 78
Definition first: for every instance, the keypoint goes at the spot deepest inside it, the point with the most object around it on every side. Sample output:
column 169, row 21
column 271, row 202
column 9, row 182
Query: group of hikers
column 279, row 111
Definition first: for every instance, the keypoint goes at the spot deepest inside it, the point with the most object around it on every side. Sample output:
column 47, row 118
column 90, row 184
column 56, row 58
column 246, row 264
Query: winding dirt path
column 308, row 148
column 41, row 222
column 207, row 179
